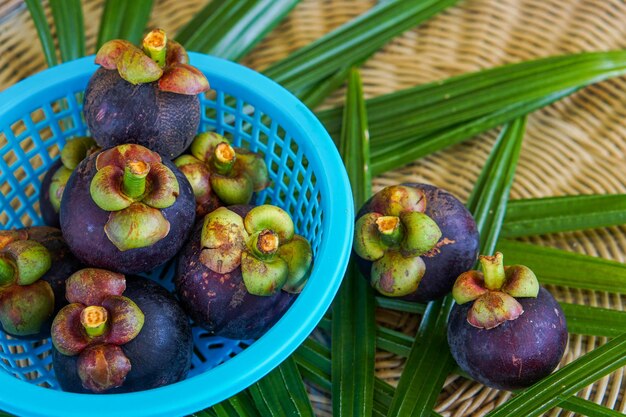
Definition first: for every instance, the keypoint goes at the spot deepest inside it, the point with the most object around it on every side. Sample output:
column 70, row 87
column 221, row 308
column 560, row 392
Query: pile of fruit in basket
column 124, row 206
column 129, row 199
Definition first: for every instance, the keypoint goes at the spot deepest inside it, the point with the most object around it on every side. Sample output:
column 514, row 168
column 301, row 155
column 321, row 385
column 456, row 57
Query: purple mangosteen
column 147, row 96
column 34, row 264
column 221, row 174
column 413, row 240
column 119, row 335
column 125, row 209
column 53, row 184
column 506, row 331
column 242, row 269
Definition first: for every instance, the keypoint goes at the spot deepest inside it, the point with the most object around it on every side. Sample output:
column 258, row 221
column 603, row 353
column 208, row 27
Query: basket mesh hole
column 46, row 133
column 19, row 172
column 29, row 190
column 273, row 166
column 9, row 158
column 53, row 150
column 66, row 123
column 27, row 144
column 36, row 161
column 37, row 116
column 199, row 354
column 26, row 219
column 59, row 105
column 18, row 128
column 210, row 95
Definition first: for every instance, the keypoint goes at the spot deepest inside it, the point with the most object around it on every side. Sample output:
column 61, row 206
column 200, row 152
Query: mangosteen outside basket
column 38, row 114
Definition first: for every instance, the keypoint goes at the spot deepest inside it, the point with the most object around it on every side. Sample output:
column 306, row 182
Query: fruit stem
column 265, row 244
column 155, row 46
column 7, row 272
column 94, row 319
column 134, row 182
column 223, row 158
column 493, row 271
column 390, row 230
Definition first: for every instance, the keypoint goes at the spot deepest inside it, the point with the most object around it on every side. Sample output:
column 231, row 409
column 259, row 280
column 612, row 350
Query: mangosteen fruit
column 125, row 209
column 413, row 240
column 145, row 95
column 506, row 331
column 34, row 263
column 242, row 269
column 119, row 334
column 53, row 184
column 221, row 174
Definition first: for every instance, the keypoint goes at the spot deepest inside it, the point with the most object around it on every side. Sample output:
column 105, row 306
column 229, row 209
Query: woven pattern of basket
column 576, row 146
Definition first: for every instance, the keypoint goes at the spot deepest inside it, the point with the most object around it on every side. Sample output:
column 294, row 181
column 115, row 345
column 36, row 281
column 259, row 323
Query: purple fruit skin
column 457, row 224
column 49, row 215
column 64, row 264
column 517, row 353
column 159, row 355
column 82, row 223
column 119, row 112
column 220, row 303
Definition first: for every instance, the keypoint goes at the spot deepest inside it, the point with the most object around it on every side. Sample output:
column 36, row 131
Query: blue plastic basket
column 308, row 179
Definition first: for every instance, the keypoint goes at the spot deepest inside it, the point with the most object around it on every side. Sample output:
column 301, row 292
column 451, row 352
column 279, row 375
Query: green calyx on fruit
column 160, row 59
column 232, row 173
column 494, row 291
column 74, row 151
column 26, row 302
column 271, row 256
column 98, row 320
column 133, row 184
column 77, row 149
column 393, row 236
column 198, row 175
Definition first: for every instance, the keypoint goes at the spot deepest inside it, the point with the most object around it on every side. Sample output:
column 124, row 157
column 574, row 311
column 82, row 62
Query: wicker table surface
column 576, row 146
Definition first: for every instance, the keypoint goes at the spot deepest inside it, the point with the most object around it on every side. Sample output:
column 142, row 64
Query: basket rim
column 296, row 324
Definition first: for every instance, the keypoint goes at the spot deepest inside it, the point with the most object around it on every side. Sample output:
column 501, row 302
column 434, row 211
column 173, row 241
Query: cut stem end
column 493, row 271
column 94, row 319
column 134, row 182
column 224, row 158
column 268, row 242
column 154, row 45
column 390, row 229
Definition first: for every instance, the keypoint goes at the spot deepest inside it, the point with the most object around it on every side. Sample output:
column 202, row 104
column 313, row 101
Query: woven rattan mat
column 576, row 146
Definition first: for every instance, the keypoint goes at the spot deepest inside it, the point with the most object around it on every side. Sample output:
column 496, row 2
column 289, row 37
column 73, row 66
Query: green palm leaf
column 353, row 329
column 231, row 28
column 43, row 30
column 588, row 408
column 124, row 19
column 68, row 21
column 281, row 393
column 383, row 392
column 352, row 42
column 415, row 122
column 537, row 216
